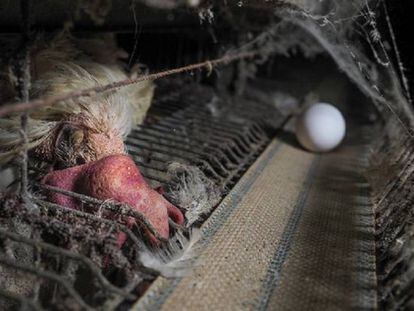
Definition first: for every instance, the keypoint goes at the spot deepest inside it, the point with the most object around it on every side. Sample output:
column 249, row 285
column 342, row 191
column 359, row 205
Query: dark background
column 402, row 18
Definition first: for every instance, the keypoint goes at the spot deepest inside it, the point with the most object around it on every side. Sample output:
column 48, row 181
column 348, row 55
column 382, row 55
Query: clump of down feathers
column 65, row 64
column 196, row 195
column 177, row 258
column 192, row 190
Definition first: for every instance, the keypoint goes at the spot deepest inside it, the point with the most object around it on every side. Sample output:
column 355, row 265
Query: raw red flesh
column 115, row 177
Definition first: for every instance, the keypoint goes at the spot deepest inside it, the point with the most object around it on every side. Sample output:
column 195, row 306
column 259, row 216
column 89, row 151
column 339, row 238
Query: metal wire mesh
column 71, row 259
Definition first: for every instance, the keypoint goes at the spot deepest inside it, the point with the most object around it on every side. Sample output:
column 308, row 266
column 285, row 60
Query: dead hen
column 83, row 139
column 116, row 178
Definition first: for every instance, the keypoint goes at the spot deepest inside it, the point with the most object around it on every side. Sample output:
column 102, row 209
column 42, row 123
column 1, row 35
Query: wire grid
column 74, row 246
column 222, row 143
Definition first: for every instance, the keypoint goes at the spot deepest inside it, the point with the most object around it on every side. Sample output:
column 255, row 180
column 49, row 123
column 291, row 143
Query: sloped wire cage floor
column 72, row 246
column 266, row 224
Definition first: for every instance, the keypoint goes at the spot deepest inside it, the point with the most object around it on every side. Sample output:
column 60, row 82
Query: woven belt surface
column 295, row 233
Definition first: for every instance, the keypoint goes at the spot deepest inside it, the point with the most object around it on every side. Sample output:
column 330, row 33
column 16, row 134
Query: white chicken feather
column 177, row 258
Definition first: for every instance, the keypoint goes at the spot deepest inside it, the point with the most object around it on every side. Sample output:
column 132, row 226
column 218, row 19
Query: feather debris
column 177, row 258
column 192, row 191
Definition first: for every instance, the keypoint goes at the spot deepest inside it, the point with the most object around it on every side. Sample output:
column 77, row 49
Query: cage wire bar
column 22, row 70
column 44, row 102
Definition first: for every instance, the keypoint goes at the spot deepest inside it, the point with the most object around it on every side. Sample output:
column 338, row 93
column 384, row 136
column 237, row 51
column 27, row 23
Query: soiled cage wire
column 226, row 157
column 68, row 229
column 74, row 235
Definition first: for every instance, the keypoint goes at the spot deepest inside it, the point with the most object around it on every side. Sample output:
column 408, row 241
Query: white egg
column 320, row 127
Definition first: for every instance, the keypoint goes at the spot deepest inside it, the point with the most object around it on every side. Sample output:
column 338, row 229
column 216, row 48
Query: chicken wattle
column 115, row 177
